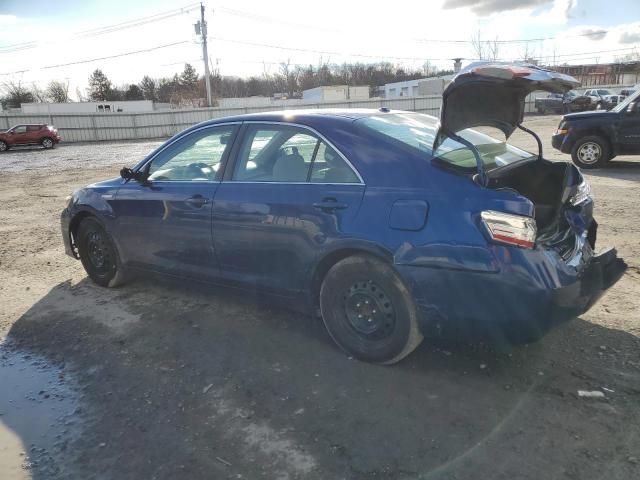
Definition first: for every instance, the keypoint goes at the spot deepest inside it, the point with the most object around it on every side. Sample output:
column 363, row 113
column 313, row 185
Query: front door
column 287, row 196
column 629, row 129
column 18, row 135
column 164, row 224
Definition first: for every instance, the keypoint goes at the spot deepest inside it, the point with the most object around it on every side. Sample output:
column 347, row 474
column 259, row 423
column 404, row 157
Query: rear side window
column 418, row 131
column 288, row 154
column 33, row 128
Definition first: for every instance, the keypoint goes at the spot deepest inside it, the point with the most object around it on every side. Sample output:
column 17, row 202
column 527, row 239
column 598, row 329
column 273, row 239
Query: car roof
column 305, row 116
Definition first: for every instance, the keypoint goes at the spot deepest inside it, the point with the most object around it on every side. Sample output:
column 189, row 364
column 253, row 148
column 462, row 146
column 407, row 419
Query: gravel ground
column 162, row 380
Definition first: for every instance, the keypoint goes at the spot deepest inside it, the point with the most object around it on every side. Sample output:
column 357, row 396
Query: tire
column 47, row 142
column 368, row 311
column 4, row 146
column 98, row 254
column 591, row 152
column 599, row 106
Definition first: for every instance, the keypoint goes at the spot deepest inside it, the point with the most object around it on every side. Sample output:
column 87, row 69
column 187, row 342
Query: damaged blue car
column 392, row 225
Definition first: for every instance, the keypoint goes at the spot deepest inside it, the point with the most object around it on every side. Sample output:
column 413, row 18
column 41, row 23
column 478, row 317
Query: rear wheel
column 368, row 311
column 3, row 146
column 98, row 254
column 47, row 142
column 591, row 152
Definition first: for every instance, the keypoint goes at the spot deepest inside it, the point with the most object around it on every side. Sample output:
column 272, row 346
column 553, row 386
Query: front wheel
column 591, row 152
column 368, row 311
column 3, row 146
column 98, row 254
column 47, row 142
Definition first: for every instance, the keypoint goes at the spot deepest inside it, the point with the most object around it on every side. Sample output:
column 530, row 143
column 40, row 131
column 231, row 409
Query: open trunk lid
column 493, row 94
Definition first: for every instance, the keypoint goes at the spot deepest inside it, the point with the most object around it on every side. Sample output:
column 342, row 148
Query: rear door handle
column 329, row 204
column 197, row 201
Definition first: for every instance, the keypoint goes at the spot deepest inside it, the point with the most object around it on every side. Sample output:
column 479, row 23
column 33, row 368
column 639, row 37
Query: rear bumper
column 521, row 302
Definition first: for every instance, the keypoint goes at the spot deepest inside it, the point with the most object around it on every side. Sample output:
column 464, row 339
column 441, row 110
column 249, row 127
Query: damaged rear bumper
column 530, row 294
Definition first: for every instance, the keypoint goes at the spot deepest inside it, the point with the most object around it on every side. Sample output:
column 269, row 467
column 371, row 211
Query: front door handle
column 197, row 201
column 328, row 205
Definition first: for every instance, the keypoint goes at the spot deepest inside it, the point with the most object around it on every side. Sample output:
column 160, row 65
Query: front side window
column 282, row 153
column 196, row 157
column 19, row 129
column 418, row 132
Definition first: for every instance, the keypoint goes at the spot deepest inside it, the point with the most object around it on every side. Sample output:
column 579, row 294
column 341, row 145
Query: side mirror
column 140, row 176
column 127, row 173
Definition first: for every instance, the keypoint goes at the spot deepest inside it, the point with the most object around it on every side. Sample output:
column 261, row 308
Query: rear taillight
column 510, row 229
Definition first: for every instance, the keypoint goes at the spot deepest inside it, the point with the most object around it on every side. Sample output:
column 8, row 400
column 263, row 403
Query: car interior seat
column 290, row 167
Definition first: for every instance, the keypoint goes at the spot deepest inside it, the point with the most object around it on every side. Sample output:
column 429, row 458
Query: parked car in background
column 29, row 134
column 602, row 99
column 593, row 138
column 571, row 101
column 627, row 92
column 390, row 223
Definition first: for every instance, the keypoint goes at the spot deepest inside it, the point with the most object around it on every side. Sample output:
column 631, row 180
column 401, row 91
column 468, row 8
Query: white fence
column 130, row 126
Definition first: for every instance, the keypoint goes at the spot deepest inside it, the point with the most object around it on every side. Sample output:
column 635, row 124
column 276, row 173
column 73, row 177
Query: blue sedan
column 396, row 225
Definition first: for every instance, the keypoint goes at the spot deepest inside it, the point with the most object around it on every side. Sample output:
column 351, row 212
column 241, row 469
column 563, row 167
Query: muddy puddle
column 39, row 410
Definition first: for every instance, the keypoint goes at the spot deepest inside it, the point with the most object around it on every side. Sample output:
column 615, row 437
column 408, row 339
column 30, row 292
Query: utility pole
column 201, row 29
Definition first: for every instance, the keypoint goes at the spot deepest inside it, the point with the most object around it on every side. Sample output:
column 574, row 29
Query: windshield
column 623, row 105
column 418, row 131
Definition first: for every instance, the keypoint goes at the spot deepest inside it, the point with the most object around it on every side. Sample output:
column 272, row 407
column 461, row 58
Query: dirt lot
column 160, row 380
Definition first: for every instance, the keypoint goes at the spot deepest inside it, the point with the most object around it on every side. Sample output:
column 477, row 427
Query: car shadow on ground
column 25, row 149
column 176, row 381
column 620, row 169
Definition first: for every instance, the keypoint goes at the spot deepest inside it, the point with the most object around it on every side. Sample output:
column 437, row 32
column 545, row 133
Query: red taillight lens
column 510, row 229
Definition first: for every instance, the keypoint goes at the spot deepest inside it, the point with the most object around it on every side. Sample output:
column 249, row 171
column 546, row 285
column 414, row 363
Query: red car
column 33, row 134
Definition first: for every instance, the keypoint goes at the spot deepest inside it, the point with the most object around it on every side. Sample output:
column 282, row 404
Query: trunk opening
column 549, row 186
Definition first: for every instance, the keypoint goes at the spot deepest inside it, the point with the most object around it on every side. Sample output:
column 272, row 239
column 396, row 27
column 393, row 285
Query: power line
column 517, row 40
column 321, row 52
column 146, row 50
column 139, row 21
column 107, row 29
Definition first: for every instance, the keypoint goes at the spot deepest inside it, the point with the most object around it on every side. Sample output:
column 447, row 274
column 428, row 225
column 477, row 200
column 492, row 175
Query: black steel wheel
column 368, row 311
column 98, row 254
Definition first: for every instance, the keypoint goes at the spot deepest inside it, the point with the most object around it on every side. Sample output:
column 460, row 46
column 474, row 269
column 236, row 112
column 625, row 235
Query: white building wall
column 130, row 106
column 400, row 89
column 360, row 92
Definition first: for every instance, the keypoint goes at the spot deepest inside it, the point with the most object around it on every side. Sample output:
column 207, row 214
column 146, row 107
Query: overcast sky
column 250, row 37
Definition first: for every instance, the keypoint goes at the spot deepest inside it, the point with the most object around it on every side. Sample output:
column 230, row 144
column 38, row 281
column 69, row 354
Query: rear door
column 287, row 194
column 33, row 134
column 164, row 224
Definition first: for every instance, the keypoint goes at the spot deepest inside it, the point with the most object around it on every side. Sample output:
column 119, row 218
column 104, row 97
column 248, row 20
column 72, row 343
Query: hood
column 591, row 114
column 493, row 94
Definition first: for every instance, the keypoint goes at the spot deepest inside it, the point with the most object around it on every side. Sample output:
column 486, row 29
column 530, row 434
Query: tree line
column 187, row 86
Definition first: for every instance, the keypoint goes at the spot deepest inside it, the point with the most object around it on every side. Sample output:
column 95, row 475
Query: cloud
column 487, row 7
column 630, row 37
column 594, row 33
column 8, row 19
column 569, row 7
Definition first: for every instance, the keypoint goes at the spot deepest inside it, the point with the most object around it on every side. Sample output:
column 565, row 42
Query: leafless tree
column 58, row 91
column 493, row 49
column 478, row 46
column 15, row 94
